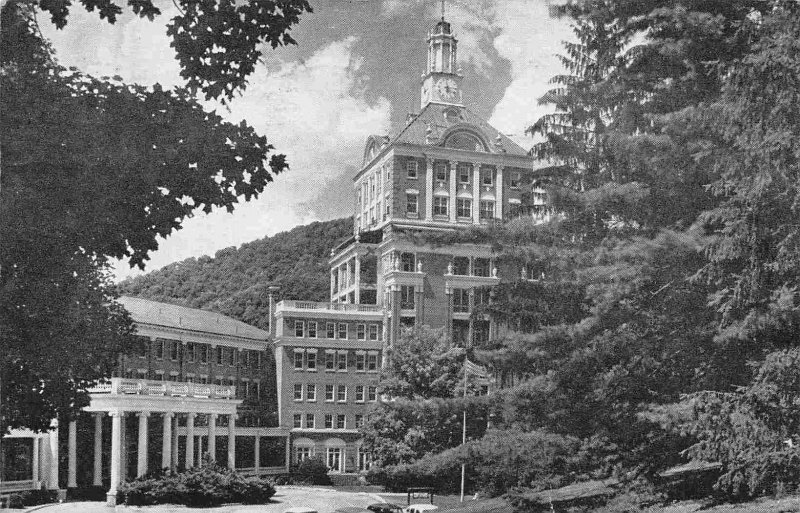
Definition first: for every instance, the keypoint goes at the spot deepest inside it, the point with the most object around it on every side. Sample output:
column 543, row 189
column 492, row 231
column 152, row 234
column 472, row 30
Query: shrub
column 312, row 471
column 497, row 462
column 207, row 485
column 31, row 498
column 752, row 432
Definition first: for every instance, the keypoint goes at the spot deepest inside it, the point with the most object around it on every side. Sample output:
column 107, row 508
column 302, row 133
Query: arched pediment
column 374, row 145
column 465, row 137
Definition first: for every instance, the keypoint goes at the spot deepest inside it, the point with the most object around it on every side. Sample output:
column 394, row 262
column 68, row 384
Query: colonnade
column 169, row 449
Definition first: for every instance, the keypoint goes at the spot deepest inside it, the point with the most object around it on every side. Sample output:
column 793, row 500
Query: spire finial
column 442, row 10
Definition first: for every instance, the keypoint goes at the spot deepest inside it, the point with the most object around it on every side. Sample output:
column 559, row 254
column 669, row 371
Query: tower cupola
column 441, row 82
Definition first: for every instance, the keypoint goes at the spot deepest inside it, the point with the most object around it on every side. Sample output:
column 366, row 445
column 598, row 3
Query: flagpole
column 464, row 429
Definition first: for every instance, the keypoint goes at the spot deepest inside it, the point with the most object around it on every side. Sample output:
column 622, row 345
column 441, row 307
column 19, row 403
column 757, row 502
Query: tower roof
column 444, row 119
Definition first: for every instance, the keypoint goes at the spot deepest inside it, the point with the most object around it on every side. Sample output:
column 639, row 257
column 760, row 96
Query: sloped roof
column 173, row 316
column 433, row 115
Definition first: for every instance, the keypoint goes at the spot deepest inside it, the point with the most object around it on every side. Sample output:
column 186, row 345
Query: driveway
column 324, row 500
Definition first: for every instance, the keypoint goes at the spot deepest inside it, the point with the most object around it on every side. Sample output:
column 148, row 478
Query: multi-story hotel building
column 204, row 383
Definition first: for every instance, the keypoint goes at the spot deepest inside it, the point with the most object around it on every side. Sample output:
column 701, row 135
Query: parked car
column 385, row 507
column 420, row 508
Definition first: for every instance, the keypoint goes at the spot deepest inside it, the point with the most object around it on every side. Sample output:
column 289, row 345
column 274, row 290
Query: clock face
column 447, row 88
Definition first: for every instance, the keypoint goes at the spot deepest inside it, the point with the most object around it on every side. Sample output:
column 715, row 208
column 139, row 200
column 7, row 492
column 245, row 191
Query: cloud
column 529, row 39
column 134, row 48
column 315, row 113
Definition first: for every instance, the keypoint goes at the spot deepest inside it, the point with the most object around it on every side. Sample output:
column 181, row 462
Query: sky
column 355, row 72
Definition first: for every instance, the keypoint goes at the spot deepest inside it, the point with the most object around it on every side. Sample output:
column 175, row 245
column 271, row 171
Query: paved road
column 324, row 500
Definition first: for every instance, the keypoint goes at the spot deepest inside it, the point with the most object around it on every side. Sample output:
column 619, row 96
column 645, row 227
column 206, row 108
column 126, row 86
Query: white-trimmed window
column 190, row 352
column 441, row 205
column 311, row 360
column 364, row 458
column 341, row 421
column 440, row 169
column 408, row 262
column 342, row 331
column 220, row 355
column 312, row 329
column 158, row 346
column 298, row 359
column 173, row 350
column 302, row 453
column 232, row 357
column 481, row 267
column 330, row 360
column 464, row 172
column 341, row 393
column 299, row 329
column 359, row 393
column 388, row 207
column 412, row 203
column 330, row 329
column 487, row 209
column 361, row 361
column 461, row 300
column 411, row 169
column 297, row 421
column 372, row 361
column 329, row 421
column 487, row 177
column 464, row 207
column 203, row 350
column 372, row 393
column 373, row 332
column 359, row 423
column 311, row 392
column 310, row 418
column 329, row 393
column 407, row 297
column 298, row 391
column 341, row 361
column 361, row 332
column 514, row 180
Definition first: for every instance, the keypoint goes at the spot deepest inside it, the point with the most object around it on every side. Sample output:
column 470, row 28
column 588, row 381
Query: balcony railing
column 126, row 386
column 338, row 307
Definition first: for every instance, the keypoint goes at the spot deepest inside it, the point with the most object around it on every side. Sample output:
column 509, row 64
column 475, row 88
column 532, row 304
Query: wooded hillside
column 234, row 282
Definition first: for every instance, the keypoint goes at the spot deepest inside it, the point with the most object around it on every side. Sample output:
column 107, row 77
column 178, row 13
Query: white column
column 123, row 451
column 358, row 278
column 52, row 482
column 98, row 450
column 116, row 455
column 166, row 440
column 257, row 452
column 35, row 460
column 333, row 284
column 141, row 451
column 453, row 189
column 212, row 435
column 498, row 187
column 429, row 189
column 190, row 440
column 72, row 454
column 232, row 441
column 476, row 193
column 174, row 455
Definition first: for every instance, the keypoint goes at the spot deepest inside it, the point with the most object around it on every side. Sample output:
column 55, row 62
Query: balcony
column 152, row 388
column 290, row 305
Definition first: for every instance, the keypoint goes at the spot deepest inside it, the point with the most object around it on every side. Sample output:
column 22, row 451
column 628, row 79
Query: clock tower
column 440, row 82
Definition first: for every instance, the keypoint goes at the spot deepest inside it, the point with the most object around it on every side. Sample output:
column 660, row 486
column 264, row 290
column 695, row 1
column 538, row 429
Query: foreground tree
column 95, row 169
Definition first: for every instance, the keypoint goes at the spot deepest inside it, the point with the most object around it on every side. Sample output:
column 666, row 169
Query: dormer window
column 411, row 169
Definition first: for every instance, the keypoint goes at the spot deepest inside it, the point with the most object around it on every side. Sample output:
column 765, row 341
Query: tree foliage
column 235, row 281
column 218, row 43
column 93, row 169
